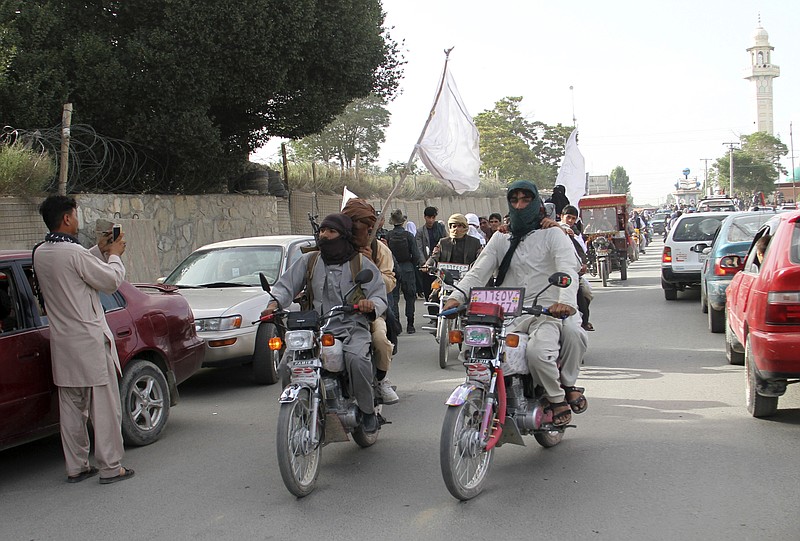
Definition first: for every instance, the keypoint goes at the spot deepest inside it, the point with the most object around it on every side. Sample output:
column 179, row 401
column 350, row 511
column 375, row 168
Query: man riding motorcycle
column 526, row 258
column 328, row 282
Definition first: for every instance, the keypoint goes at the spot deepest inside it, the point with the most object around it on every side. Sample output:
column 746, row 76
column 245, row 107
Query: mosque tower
column 762, row 71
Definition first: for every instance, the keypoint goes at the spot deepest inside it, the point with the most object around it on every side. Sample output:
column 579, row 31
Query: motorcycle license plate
column 510, row 298
column 602, row 252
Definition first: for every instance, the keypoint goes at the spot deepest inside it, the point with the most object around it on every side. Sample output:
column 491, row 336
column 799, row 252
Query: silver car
column 221, row 283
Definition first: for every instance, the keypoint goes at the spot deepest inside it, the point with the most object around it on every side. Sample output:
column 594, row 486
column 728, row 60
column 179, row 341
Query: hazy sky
column 657, row 86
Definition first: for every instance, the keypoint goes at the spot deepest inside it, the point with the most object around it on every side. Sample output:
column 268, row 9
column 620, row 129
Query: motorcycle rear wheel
column 549, row 439
column 465, row 463
column 298, row 457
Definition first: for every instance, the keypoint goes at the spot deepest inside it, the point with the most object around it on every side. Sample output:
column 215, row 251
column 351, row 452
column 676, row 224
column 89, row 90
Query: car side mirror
column 706, row 250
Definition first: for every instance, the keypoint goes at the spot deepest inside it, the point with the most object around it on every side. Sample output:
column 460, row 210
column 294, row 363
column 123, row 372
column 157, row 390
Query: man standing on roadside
column 427, row 238
column 84, row 357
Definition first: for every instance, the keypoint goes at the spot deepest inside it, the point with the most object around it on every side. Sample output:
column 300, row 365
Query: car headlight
column 299, row 340
column 218, row 323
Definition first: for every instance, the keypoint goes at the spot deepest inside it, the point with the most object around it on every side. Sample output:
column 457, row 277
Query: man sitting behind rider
column 330, row 280
column 526, row 258
column 364, row 219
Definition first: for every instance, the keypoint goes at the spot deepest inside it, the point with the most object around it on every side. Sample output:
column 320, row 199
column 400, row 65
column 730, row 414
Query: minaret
column 762, row 71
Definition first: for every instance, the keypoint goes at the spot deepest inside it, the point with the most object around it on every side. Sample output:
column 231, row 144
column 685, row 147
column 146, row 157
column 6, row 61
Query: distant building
column 761, row 72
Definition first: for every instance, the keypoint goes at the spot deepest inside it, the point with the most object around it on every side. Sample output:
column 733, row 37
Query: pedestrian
column 474, row 225
column 405, row 252
column 427, row 238
column 495, row 221
column 84, row 357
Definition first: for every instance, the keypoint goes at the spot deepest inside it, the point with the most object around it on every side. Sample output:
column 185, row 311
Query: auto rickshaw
column 605, row 218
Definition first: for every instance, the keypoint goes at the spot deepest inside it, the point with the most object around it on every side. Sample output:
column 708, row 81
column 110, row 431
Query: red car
column 156, row 340
column 763, row 314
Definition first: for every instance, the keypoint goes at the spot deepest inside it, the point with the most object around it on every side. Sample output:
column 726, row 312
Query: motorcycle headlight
column 478, row 335
column 218, row 323
column 298, row 340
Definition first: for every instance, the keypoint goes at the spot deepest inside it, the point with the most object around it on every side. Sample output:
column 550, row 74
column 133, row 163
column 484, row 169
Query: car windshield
column 600, row 220
column 228, row 267
column 659, row 218
column 744, row 228
column 697, row 228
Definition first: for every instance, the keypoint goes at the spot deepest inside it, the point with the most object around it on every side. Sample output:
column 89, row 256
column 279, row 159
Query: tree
column 514, row 148
column 196, row 84
column 620, row 183
column 358, row 131
column 756, row 165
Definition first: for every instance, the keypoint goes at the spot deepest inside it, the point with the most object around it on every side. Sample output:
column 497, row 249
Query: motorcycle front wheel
column 444, row 340
column 298, row 456
column 464, row 461
column 604, row 272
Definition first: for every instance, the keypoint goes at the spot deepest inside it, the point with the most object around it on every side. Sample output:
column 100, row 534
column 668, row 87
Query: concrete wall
column 161, row 230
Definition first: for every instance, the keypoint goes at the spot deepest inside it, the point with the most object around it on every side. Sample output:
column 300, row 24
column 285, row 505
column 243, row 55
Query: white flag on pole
column 347, row 195
column 572, row 174
column 449, row 147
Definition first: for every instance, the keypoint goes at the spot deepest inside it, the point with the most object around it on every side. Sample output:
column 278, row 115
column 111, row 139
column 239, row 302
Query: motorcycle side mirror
column 264, row 282
column 560, row 279
column 448, row 278
column 364, row 276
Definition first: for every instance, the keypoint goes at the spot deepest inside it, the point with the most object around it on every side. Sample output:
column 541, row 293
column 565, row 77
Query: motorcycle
column 602, row 253
column 453, row 273
column 315, row 408
column 499, row 402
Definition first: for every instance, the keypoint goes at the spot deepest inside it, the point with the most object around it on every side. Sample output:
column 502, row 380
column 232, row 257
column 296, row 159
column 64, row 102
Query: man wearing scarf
column 84, row 356
column 526, row 258
column 364, row 219
column 332, row 278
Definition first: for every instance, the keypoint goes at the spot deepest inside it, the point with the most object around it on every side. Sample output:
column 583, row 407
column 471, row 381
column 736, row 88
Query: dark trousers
column 583, row 306
column 407, row 283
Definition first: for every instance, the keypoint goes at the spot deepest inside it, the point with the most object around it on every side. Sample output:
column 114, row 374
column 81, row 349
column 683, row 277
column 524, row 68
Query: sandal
column 580, row 404
column 561, row 418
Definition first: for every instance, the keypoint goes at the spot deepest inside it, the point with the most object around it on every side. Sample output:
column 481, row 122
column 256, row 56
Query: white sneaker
column 387, row 394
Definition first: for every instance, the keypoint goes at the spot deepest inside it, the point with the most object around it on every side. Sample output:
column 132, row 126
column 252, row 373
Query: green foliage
column 513, row 148
column 199, row 84
column 620, row 183
column 358, row 131
column 24, row 172
column 756, row 165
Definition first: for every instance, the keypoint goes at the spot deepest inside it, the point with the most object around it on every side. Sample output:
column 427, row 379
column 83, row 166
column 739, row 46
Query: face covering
column 336, row 251
column 523, row 221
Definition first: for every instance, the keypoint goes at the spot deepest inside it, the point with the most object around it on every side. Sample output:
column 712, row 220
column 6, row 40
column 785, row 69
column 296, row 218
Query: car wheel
column 703, row 300
column 265, row 360
column 623, row 269
column 670, row 294
column 733, row 356
column 716, row 319
column 145, row 402
column 758, row 405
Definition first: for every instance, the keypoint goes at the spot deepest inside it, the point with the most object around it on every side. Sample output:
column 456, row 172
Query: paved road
column 665, row 451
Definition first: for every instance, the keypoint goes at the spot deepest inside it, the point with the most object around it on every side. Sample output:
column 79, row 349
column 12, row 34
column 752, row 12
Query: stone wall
column 161, row 230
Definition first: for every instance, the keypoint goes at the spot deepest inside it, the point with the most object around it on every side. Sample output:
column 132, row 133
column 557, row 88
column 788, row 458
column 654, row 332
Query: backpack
column 398, row 244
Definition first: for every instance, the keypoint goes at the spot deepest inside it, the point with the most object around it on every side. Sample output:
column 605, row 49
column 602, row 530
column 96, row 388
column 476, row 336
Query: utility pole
column 731, row 146
column 66, row 120
column 574, row 120
column 791, row 142
column 705, row 178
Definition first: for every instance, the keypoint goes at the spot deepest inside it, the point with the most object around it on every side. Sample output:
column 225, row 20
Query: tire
column 716, row 319
column 265, row 360
column 758, row 405
column 549, row 439
column 144, row 394
column 604, row 272
column 465, row 465
column 733, row 356
column 363, row 439
column 623, row 269
column 298, row 458
column 670, row 294
column 444, row 341
column 704, row 303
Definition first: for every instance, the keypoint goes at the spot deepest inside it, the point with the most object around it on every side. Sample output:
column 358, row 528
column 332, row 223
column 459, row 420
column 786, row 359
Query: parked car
column 156, row 341
column 658, row 222
column 725, row 258
column 682, row 257
column 716, row 204
column 763, row 314
column 221, row 283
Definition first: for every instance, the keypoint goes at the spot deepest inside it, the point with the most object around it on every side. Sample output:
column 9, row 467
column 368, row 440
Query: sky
column 657, row 86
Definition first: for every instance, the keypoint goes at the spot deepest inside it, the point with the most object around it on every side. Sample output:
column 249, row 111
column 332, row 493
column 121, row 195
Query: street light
column 731, row 146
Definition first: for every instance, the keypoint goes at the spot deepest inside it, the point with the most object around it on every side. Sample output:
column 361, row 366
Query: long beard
column 336, row 251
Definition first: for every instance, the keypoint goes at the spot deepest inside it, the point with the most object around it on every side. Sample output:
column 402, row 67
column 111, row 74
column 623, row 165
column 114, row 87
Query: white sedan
column 221, row 283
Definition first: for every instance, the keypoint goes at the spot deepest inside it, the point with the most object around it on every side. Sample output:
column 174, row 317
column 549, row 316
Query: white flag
column 449, row 147
column 572, row 174
column 347, row 195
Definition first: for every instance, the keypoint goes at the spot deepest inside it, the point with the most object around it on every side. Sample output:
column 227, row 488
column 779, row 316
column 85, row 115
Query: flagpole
column 407, row 168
